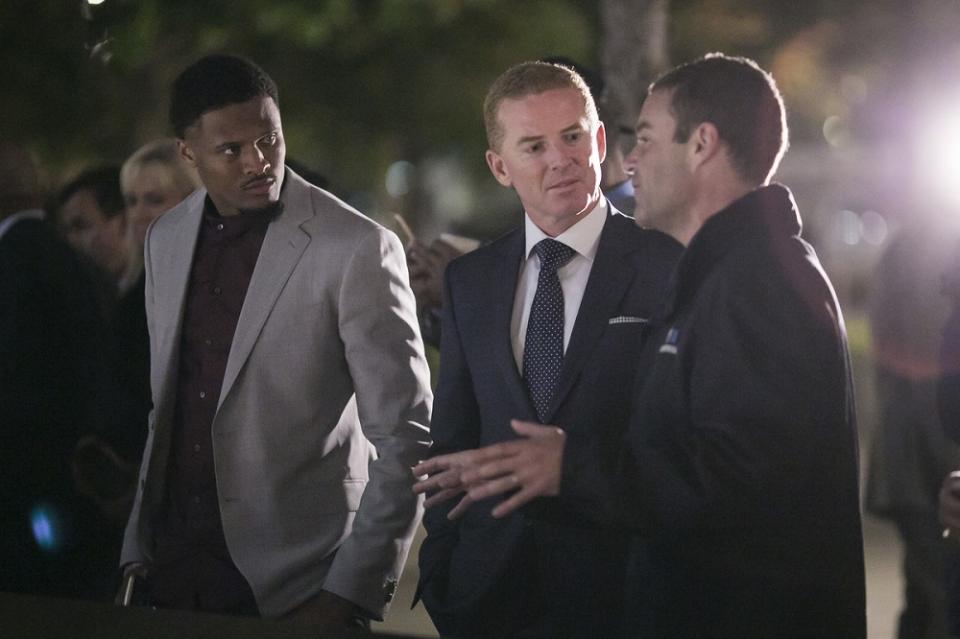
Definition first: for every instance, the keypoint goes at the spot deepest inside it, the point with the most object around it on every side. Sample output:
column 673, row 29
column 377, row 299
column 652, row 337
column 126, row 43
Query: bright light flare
column 94, row 2
column 938, row 153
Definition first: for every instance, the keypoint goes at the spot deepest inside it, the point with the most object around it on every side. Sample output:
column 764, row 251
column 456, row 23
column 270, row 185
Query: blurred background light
column 399, row 177
column 938, row 151
column 853, row 88
column 849, row 227
column 47, row 528
column 835, row 132
column 873, row 228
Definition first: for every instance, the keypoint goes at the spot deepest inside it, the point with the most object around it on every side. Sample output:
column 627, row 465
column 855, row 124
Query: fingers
column 446, row 480
column 440, row 462
column 457, row 511
column 515, row 501
column 533, row 429
column 494, row 487
column 440, row 497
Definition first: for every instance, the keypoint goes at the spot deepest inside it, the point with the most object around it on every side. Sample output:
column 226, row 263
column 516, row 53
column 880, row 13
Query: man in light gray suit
column 290, row 392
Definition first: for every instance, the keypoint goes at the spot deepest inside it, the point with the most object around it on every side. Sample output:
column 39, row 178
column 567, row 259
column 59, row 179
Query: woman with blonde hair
column 153, row 180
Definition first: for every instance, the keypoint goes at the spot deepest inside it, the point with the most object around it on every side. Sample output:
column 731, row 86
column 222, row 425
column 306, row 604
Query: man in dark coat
column 740, row 464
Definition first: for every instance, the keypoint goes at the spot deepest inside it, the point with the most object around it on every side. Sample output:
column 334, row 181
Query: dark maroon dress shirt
column 193, row 568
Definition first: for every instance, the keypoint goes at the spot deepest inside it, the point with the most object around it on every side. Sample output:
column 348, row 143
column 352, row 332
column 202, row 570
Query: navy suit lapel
column 505, row 268
column 613, row 271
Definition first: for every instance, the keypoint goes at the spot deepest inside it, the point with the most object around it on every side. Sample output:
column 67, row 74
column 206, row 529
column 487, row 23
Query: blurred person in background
column 910, row 453
column 50, row 394
column 152, row 180
column 89, row 213
column 948, row 403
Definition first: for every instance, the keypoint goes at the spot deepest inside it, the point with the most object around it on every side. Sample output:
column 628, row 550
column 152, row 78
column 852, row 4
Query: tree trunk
column 633, row 52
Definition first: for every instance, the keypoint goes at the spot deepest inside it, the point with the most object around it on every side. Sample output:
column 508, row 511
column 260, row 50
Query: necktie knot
column 553, row 254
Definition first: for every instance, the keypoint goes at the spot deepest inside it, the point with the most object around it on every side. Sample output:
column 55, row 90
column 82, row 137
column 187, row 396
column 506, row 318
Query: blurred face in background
column 149, row 191
column 92, row 234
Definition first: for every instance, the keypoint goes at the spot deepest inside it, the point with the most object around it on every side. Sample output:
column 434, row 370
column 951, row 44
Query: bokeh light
column 399, row 178
column 47, row 528
column 938, row 158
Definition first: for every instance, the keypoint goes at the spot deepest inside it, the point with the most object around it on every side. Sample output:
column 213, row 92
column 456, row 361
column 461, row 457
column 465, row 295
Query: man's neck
column 710, row 199
column 553, row 228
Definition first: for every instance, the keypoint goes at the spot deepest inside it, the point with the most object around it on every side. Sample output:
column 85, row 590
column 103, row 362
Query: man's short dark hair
column 213, row 82
column 741, row 100
column 103, row 182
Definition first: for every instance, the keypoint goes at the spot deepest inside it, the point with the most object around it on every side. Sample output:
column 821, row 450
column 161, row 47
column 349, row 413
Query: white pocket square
column 628, row 319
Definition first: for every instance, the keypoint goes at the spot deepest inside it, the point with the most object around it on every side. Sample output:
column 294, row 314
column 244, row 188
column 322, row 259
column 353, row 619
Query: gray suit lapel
column 171, row 278
column 282, row 248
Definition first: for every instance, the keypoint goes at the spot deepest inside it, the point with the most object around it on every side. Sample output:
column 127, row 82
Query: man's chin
column 268, row 207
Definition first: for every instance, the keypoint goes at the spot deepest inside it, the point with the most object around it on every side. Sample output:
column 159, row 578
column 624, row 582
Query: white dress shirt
column 583, row 237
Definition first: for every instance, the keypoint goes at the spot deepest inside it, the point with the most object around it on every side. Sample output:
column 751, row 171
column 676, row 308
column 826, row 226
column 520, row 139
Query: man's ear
column 602, row 141
column 498, row 167
column 186, row 152
column 704, row 143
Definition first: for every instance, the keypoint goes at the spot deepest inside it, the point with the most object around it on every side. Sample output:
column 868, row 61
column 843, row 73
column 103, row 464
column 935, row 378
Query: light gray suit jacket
column 324, row 408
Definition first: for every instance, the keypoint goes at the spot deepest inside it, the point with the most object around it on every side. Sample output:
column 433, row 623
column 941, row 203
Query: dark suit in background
column 544, row 571
column 51, row 385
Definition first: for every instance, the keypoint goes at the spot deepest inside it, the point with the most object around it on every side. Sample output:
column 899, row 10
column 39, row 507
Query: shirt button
column 196, row 500
column 208, row 342
column 219, row 227
column 196, row 448
column 203, row 394
column 216, row 290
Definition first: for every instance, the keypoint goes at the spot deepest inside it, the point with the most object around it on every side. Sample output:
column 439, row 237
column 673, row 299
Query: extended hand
column 427, row 265
column 327, row 610
column 530, row 466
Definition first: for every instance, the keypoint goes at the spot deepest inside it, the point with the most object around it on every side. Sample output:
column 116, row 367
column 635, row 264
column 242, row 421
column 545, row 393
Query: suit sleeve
column 131, row 551
column 384, row 352
column 456, row 426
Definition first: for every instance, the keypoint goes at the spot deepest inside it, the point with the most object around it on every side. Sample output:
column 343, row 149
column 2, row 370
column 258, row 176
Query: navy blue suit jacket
column 543, row 571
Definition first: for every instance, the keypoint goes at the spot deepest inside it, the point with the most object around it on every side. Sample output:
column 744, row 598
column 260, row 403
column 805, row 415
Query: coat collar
column 766, row 214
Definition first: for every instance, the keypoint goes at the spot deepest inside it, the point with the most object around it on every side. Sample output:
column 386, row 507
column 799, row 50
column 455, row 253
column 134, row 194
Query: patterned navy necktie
column 543, row 349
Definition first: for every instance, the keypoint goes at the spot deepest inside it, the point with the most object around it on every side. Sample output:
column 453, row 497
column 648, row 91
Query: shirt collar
column 583, row 237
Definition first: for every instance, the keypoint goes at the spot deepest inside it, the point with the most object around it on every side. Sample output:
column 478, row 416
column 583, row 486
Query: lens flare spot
column 46, row 527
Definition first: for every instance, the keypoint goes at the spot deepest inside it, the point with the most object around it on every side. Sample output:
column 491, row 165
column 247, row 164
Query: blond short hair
column 531, row 78
column 162, row 152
